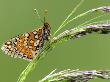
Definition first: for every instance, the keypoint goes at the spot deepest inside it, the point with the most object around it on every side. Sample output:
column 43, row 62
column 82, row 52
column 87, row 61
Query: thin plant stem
column 45, row 78
column 104, row 9
column 92, row 19
column 78, row 16
column 73, row 11
column 26, row 71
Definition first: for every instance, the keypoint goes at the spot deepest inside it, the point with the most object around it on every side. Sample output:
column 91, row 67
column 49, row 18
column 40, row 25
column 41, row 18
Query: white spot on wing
column 35, row 32
column 26, row 34
column 9, row 46
column 36, row 43
column 8, row 42
column 36, row 36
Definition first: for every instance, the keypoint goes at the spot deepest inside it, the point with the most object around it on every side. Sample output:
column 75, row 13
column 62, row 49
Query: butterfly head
column 47, row 25
column 46, row 29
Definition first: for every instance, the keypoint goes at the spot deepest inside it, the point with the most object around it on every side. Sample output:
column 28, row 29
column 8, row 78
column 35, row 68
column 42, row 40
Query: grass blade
column 73, row 11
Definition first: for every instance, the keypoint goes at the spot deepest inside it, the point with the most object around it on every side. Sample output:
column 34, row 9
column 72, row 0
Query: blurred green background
column 86, row 53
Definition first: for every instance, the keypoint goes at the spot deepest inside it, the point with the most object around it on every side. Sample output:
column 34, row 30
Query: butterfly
column 29, row 44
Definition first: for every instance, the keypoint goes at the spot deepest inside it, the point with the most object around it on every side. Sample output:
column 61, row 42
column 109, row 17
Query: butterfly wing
column 26, row 45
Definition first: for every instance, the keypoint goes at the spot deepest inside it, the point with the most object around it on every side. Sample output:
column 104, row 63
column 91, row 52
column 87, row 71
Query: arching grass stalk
column 102, row 27
column 76, row 75
column 103, row 9
column 73, row 11
column 86, row 22
column 46, row 77
column 73, row 33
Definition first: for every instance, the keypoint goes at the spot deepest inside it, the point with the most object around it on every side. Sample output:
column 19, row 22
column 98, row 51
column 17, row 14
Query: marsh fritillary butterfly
column 29, row 44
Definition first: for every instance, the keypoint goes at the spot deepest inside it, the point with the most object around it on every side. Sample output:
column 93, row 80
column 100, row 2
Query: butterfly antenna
column 36, row 12
column 44, row 19
column 45, row 15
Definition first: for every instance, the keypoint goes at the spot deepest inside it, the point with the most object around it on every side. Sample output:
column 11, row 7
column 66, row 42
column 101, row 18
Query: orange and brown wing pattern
column 27, row 45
